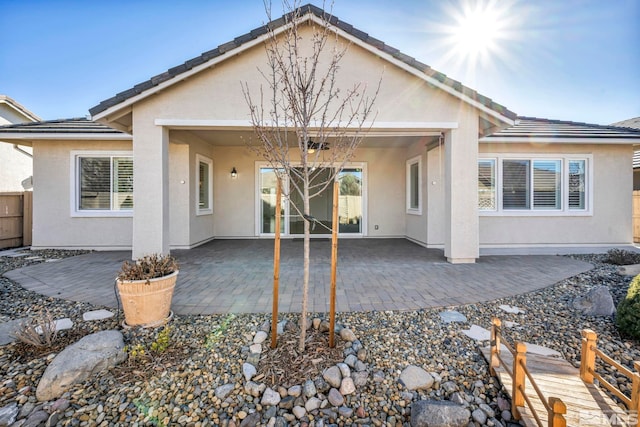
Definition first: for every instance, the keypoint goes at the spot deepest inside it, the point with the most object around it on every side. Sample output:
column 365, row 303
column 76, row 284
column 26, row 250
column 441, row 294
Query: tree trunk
column 305, row 280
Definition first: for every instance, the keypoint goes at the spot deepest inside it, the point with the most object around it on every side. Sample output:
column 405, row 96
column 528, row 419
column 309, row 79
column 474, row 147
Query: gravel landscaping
column 201, row 378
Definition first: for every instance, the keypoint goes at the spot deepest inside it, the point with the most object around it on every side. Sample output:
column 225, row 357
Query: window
column 103, row 183
column 546, row 184
column 414, row 186
column 204, row 180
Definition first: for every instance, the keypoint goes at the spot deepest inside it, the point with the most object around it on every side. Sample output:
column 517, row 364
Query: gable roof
column 77, row 128
column 532, row 129
column 308, row 11
column 630, row 123
column 14, row 105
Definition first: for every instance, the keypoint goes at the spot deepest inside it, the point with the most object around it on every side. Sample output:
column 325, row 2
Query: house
column 163, row 165
column 633, row 124
column 15, row 160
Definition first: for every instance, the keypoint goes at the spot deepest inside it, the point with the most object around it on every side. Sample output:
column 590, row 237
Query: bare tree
column 307, row 122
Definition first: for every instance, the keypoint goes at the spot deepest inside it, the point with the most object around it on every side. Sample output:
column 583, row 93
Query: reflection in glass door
column 350, row 201
column 268, row 181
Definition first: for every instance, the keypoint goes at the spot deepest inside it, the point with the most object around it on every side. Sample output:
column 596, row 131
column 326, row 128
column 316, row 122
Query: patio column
column 150, row 189
column 461, row 192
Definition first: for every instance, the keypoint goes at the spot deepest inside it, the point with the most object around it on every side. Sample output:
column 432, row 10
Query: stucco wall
column 53, row 225
column 610, row 222
column 15, row 167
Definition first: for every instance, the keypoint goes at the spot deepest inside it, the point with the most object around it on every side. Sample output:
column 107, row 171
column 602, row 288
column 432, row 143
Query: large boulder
column 596, row 302
column 438, row 413
column 92, row 354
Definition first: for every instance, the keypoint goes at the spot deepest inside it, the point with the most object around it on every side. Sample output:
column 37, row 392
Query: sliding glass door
column 350, row 203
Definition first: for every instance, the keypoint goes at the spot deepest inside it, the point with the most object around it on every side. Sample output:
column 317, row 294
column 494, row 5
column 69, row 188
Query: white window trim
column 286, row 233
column 412, row 161
column 564, row 161
column 74, row 190
column 207, row 211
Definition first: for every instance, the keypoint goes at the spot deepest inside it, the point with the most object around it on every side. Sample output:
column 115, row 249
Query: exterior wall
column 180, row 193
column 610, row 223
column 435, row 197
column 53, row 225
column 15, row 166
column 417, row 224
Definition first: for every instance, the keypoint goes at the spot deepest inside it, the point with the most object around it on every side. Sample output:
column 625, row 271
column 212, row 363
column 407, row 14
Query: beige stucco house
column 164, row 164
column 15, row 160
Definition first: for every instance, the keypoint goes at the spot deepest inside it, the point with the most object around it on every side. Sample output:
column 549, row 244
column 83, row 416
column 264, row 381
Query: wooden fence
column 16, row 219
column 636, row 216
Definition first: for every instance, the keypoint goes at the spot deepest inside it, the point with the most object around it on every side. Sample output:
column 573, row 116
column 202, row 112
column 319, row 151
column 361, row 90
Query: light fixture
column 234, row 173
column 313, row 146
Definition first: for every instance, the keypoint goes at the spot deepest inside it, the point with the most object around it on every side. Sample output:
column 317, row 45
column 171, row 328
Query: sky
column 575, row 60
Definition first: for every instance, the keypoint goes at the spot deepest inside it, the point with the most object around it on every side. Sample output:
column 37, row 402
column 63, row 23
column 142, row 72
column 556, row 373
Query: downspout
column 17, row 148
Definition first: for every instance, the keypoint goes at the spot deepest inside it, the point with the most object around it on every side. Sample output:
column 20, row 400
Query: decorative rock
column 251, row 420
column 362, row 354
column 597, row 302
column 249, row 371
column 416, row 378
column 321, row 385
column 299, row 411
column 449, row 386
column 254, row 389
column 92, row 354
column 360, row 366
column 8, row 414
column 309, row 388
column 96, row 315
column 451, row 316
column 280, row 327
column 36, row 419
column 629, row 270
column 360, row 378
column 324, row 326
column 344, row 369
column 479, row 416
column 223, row 391
column 347, row 386
column 52, row 421
column 438, row 413
column 60, row 405
column 260, row 337
column 351, row 360
column 511, row 309
column 294, row 390
column 333, row 376
column 487, row 410
column 270, row 397
column 312, row 404
column 477, row 333
column 8, row 330
column 61, row 325
column 347, row 335
column 26, row 409
column 255, row 348
column 345, row 411
column 316, row 322
column 335, row 397
column 538, row 349
column 287, row 402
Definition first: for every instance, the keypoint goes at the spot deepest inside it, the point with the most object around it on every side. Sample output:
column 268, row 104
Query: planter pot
column 147, row 302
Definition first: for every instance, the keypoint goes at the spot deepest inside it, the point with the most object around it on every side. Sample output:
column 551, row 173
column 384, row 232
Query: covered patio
column 236, row 276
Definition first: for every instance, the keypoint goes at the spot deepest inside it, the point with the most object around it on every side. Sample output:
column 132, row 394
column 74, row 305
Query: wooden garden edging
column 518, row 371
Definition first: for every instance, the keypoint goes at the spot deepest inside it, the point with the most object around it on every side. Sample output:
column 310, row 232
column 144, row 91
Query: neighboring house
column 16, row 166
column 442, row 165
column 633, row 124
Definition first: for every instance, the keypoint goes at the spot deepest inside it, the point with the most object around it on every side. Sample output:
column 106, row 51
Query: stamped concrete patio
column 236, row 276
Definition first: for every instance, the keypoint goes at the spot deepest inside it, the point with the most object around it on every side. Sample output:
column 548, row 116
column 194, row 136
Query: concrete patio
column 236, row 276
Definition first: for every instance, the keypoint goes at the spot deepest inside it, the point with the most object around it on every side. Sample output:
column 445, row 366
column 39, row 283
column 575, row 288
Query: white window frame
column 410, row 209
column 209, row 209
column 564, row 190
column 74, row 191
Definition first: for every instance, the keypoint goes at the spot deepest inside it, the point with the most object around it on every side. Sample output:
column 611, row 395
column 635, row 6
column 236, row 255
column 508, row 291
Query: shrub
column 622, row 257
column 628, row 313
column 39, row 331
column 148, row 267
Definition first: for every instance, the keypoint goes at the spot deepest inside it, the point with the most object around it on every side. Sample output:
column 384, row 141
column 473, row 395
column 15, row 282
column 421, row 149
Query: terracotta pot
column 147, row 302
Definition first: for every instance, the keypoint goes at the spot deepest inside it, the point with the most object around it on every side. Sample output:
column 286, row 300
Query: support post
column 495, row 345
column 556, row 413
column 588, row 356
column 334, row 266
column 517, row 393
column 635, row 388
column 276, row 269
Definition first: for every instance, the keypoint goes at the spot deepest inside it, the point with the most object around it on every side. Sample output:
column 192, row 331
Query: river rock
column 416, row 378
column 270, row 397
column 335, row 397
column 347, row 335
column 597, row 302
column 92, row 354
column 347, row 386
column 333, row 376
column 223, row 391
column 9, row 329
column 438, row 413
column 249, row 371
column 8, row 414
